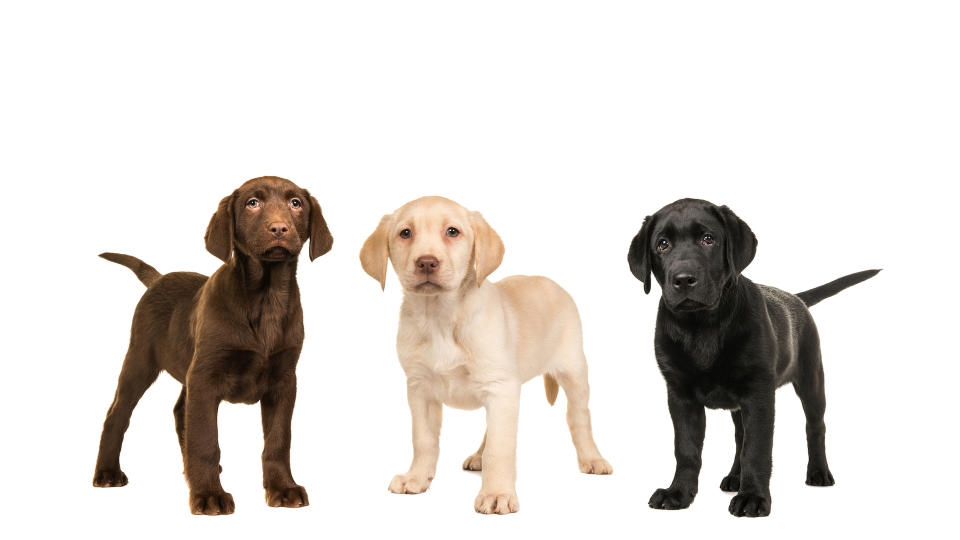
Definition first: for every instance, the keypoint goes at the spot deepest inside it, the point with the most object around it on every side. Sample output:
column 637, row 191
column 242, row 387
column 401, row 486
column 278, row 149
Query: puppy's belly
column 459, row 391
column 717, row 398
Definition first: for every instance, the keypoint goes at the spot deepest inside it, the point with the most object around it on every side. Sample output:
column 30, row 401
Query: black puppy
column 725, row 342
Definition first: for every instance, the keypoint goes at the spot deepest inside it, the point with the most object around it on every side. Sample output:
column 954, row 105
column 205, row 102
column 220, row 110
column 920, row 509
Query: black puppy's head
column 693, row 248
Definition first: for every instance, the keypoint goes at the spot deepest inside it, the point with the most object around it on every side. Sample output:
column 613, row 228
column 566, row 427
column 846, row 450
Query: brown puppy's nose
column 279, row 229
column 427, row 264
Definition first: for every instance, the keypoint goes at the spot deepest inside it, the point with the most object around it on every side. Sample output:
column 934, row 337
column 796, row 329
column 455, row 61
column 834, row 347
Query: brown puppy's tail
column 550, row 385
column 146, row 273
column 817, row 294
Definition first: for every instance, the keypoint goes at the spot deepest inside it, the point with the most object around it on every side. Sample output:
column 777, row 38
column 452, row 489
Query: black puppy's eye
column 253, row 203
column 707, row 240
column 405, row 233
column 452, row 231
column 663, row 245
column 296, row 203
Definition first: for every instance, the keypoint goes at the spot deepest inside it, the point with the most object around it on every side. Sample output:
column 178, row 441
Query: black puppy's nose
column 427, row 263
column 684, row 282
column 278, row 229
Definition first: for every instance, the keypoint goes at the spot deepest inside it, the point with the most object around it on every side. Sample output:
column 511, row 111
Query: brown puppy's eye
column 707, row 240
column 253, row 203
column 663, row 245
column 405, row 233
column 296, row 203
column 452, row 231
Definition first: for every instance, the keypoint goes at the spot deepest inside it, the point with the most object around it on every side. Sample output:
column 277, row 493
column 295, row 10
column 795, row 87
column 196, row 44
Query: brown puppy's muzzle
column 277, row 240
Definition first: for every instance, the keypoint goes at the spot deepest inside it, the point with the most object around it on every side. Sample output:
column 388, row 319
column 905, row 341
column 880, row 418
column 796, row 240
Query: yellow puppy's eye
column 453, row 231
column 406, row 233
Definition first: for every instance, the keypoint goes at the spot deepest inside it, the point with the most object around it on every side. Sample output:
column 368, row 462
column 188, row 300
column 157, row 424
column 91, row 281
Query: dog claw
column 750, row 505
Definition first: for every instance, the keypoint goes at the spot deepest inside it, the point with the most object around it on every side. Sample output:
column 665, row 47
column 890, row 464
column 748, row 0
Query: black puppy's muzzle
column 684, row 282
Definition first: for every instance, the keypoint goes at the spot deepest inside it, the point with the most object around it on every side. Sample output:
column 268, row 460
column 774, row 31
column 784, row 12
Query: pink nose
column 279, row 229
column 427, row 264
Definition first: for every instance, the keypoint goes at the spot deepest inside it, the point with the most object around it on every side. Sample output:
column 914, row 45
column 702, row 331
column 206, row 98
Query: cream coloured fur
column 469, row 343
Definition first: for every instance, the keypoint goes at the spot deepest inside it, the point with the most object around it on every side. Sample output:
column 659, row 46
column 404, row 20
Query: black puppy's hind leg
column 137, row 374
column 731, row 483
column 809, row 387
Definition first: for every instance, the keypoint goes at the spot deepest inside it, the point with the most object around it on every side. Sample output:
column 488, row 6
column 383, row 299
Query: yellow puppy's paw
column 473, row 463
column 596, row 466
column 496, row 503
column 409, row 484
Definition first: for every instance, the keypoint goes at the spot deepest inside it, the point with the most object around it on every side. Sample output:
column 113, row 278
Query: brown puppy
column 233, row 337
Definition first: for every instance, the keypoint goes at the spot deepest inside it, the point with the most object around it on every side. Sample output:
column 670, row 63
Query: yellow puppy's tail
column 550, row 385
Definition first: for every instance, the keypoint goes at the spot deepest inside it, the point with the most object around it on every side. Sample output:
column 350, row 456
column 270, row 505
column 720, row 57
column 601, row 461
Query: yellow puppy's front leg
column 498, row 491
column 427, row 414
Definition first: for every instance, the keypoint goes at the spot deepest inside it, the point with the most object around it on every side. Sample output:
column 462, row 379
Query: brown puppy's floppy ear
column 740, row 242
column 375, row 251
column 639, row 255
column 487, row 247
column 320, row 238
column 219, row 236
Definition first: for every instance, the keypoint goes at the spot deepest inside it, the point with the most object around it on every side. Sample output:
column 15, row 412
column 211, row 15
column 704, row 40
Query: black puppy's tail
column 817, row 294
column 146, row 273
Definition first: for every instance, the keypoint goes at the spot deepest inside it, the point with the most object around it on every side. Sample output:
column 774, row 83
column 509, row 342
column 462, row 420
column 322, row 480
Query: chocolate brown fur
column 233, row 337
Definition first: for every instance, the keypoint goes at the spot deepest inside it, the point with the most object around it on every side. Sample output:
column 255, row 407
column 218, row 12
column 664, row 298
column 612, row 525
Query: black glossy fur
column 725, row 342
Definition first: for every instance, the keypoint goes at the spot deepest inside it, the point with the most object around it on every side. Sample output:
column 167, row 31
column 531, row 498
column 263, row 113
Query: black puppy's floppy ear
column 219, row 236
column 740, row 242
column 320, row 238
column 639, row 254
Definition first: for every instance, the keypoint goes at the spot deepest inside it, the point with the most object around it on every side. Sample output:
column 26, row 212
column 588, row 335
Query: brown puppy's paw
column 670, row 499
column 109, row 478
column 819, row 477
column 410, row 485
column 474, row 462
column 730, row 483
column 289, row 497
column 496, row 503
column 211, row 503
column 750, row 505
column 596, row 466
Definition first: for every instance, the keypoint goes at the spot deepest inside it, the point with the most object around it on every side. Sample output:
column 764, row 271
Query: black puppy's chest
column 701, row 369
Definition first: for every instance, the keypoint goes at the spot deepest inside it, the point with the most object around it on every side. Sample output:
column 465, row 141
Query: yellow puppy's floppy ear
column 320, row 238
column 487, row 247
column 375, row 252
column 219, row 236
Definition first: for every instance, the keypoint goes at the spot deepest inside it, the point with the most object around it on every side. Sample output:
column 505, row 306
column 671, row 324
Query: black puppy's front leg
column 756, row 460
column 689, row 425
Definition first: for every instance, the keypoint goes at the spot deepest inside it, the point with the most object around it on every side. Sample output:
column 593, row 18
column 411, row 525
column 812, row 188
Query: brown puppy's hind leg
column 137, row 374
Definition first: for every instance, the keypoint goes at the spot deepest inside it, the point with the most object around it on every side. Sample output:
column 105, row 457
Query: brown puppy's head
column 434, row 244
column 694, row 248
column 268, row 219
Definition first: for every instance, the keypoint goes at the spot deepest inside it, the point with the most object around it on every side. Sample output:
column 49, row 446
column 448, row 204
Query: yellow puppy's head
column 435, row 245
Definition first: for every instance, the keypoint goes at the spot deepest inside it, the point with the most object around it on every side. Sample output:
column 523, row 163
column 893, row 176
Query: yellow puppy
column 470, row 343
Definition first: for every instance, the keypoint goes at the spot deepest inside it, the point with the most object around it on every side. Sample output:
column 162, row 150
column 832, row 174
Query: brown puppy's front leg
column 756, row 460
column 203, row 451
column 276, row 410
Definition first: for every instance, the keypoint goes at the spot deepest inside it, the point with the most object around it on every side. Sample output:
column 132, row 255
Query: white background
column 831, row 127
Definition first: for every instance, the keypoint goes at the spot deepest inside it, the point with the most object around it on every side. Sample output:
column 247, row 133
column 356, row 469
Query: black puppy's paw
column 819, row 477
column 211, row 503
column 109, row 478
column 750, row 505
column 290, row 497
column 671, row 499
column 730, row 483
